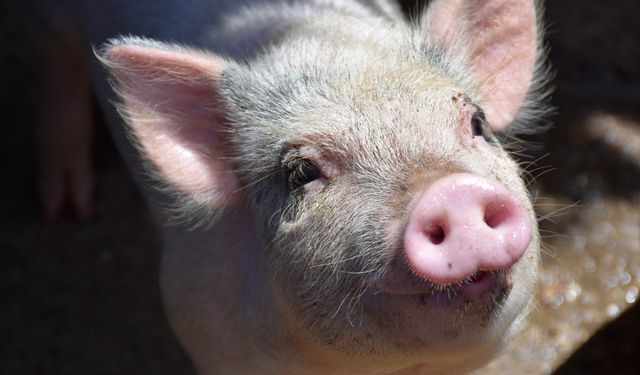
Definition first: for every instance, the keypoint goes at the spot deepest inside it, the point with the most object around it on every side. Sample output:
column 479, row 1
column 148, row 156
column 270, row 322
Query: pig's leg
column 65, row 123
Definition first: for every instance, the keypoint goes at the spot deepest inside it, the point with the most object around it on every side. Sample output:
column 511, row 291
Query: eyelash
column 300, row 172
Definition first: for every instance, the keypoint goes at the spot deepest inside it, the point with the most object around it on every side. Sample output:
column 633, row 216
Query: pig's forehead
column 360, row 87
column 370, row 79
column 383, row 104
column 383, row 112
column 403, row 69
column 348, row 105
column 371, row 90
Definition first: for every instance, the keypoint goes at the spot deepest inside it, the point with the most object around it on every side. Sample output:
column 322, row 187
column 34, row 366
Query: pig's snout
column 463, row 224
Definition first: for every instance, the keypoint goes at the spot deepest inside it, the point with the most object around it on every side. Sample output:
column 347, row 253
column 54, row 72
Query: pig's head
column 393, row 224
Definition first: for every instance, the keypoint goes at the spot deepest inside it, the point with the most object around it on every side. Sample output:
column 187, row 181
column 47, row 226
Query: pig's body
column 315, row 268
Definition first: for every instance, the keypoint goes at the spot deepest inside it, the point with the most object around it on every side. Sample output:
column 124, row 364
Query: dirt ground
column 82, row 297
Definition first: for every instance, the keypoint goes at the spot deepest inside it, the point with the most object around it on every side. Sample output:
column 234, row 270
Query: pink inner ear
column 499, row 38
column 442, row 22
column 170, row 100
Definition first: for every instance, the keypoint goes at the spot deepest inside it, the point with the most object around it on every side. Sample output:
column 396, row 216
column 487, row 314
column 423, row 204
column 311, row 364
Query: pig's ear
column 170, row 99
column 498, row 38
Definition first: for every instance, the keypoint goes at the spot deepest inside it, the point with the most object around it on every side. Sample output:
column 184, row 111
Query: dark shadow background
column 82, row 297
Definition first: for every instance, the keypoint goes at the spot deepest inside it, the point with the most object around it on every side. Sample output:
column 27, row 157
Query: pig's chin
column 459, row 316
column 464, row 324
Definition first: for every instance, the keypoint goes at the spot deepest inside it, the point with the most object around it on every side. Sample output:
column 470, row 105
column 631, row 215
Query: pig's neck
column 215, row 285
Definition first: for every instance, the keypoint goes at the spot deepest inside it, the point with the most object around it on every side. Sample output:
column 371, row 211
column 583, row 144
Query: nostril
column 435, row 233
column 497, row 213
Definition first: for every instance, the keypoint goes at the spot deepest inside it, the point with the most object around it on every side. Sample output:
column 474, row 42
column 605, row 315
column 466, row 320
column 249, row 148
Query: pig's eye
column 301, row 172
column 478, row 124
column 480, row 128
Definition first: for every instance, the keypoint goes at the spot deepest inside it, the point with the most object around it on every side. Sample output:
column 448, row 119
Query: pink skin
column 464, row 224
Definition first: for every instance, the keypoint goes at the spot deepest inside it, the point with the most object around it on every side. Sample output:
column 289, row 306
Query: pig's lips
column 472, row 287
column 478, row 283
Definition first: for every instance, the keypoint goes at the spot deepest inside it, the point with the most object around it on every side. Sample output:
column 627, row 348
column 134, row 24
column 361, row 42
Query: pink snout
column 462, row 224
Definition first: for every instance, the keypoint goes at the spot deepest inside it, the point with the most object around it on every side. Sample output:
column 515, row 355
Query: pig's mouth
column 483, row 285
column 480, row 285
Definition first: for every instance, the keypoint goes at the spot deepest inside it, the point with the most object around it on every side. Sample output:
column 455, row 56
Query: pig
column 329, row 180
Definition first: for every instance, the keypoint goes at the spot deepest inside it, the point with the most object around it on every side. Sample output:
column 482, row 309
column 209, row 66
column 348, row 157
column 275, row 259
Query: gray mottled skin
column 283, row 282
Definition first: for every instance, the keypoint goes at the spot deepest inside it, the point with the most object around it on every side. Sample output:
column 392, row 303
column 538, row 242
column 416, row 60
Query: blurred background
column 82, row 296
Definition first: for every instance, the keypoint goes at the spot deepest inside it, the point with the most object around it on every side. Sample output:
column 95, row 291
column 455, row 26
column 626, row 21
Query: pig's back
column 191, row 22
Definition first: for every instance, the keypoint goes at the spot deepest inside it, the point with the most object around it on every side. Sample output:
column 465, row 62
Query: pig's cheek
column 479, row 143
